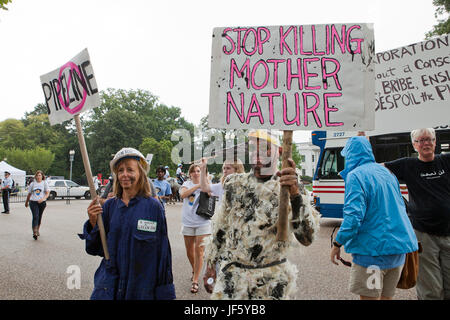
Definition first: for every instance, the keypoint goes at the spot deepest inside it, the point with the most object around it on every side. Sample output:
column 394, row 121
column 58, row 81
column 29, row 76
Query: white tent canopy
column 16, row 174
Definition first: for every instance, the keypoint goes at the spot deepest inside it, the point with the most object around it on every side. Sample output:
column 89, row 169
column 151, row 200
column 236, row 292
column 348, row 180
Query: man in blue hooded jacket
column 376, row 229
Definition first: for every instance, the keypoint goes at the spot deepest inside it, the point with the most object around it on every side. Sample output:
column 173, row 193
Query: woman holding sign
column 140, row 264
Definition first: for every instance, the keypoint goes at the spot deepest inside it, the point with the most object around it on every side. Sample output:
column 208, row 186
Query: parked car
column 67, row 188
column 55, row 178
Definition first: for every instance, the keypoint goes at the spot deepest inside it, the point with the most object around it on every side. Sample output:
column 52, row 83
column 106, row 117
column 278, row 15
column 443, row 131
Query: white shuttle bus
column 328, row 186
column 412, row 90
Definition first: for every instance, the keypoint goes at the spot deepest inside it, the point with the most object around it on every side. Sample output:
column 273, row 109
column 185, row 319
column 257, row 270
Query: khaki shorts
column 374, row 282
column 196, row 231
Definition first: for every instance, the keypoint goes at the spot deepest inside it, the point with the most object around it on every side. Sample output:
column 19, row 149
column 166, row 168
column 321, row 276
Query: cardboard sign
column 306, row 77
column 70, row 89
column 412, row 87
column 149, row 158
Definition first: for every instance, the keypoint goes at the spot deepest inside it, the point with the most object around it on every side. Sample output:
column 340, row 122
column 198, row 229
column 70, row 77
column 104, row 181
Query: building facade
column 310, row 156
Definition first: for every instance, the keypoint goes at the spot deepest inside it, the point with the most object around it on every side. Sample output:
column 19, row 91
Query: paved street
column 38, row 269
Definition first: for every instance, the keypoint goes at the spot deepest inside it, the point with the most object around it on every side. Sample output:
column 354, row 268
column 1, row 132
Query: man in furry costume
column 243, row 255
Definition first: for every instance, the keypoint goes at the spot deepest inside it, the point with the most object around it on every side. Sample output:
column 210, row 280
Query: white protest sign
column 412, row 87
column 70, row 89
column 149, row 158
column 308, row 77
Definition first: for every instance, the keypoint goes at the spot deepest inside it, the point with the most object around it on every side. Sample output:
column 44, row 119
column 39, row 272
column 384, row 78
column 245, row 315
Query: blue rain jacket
column 375, row 219
column 140, row 265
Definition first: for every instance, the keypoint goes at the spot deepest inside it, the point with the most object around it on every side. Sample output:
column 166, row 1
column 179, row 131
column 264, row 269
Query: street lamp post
column 71, row 155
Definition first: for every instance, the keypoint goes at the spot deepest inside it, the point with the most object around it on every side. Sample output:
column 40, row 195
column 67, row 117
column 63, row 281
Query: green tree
column 59, row 139
column 39, row 159
column 16, row 158
column 158, row 119
column 296, row 156
column 30, row 160
column 12, row 133
column 115, row 130
column 161, row 154
column 35, row 131
column 3, row 153
column 124, row 119
column 442, row 14
column 39, row 132
column 3, row 4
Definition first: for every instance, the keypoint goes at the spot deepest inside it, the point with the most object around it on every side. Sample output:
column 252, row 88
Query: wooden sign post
column 87, row 169
column 69, row 91
column 283, row 221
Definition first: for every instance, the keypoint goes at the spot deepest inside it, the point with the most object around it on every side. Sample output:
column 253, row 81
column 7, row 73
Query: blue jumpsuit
column 140, row 265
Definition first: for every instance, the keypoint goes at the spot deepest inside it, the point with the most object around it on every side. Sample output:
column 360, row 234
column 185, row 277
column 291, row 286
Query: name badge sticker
column 147, row 225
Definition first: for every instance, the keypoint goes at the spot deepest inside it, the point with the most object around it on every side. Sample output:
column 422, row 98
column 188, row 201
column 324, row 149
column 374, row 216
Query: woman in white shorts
column 195, row 227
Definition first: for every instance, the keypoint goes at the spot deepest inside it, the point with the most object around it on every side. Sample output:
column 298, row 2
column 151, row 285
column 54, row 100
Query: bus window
column 390, row 147
column 443, row 141
column 332, row 164
column 395, row 146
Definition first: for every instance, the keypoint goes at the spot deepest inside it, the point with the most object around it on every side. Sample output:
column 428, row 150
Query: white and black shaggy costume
column 251, row 263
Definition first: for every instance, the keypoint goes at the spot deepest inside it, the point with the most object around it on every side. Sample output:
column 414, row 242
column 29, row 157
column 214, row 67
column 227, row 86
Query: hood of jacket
column 356, row 152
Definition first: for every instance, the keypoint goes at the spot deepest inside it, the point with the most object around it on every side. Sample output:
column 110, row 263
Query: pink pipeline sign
column 70, row 89
column 305, row 77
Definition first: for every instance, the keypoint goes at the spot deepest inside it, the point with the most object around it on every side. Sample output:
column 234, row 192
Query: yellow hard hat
column 265, row 135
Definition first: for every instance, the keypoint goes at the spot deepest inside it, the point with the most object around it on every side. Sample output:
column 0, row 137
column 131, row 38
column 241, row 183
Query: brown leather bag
column 410, row 270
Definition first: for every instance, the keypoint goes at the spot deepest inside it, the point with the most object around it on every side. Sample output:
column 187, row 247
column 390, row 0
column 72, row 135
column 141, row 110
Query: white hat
column 129, row 153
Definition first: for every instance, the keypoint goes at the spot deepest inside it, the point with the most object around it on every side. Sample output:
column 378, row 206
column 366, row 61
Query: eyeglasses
column 422, row 141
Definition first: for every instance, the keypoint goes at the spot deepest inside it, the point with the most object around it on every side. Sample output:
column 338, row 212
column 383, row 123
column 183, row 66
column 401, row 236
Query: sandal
column 194, row 288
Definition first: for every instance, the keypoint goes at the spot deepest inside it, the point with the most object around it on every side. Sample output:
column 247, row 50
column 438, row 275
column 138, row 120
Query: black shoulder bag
column 206, row 205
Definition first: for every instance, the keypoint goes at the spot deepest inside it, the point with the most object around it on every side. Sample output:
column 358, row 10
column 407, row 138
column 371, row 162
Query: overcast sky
column 165, row 47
